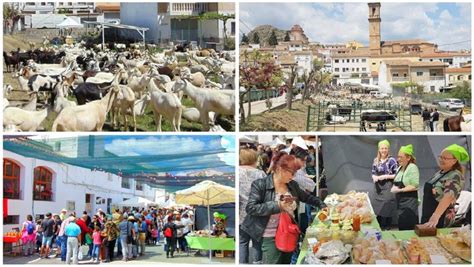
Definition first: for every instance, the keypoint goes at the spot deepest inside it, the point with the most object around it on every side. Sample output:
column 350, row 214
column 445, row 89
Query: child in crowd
column 97, row 242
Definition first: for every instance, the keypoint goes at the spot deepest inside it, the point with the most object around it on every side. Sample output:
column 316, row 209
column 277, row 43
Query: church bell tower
column 374, row 29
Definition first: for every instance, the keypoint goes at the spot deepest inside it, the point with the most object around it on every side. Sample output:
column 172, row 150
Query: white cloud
column 339, row 23
column 159, row 145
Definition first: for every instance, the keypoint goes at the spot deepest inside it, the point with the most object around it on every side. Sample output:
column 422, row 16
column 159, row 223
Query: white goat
column 138, row 84
column 193, row 115
column 167, row 105
column 207, row 100
column 7, row 89
column 23, row 120
column 124, row 104
column 88, row 117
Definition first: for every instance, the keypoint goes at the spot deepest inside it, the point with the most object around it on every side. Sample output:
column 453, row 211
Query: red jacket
column 84, row 229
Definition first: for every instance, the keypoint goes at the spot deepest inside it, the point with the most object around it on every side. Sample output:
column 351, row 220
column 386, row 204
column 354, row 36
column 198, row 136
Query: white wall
column 70, row 183
column 141, row 15
column 382, row 81
column 351, row 65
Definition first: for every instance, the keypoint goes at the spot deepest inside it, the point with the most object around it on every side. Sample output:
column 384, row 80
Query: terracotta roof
column 458, row 70
column 444, row 54
column 397, row 62
column 296, row 27
column 374, row 73
column 301, row 53
column 405, row 42
column 405, row 62
column 428, row 64
column 286, row 59
column 108, row 6
column 361, row 52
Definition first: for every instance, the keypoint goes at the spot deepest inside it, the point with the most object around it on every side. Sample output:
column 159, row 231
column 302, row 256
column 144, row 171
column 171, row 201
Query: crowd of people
column 276, row 180
column 65, row 234
column 273, row 180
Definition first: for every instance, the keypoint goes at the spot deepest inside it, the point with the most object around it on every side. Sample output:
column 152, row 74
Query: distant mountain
column 264, row 32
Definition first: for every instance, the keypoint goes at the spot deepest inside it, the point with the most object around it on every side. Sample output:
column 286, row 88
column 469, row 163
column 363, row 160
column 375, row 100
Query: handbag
column 287, row 234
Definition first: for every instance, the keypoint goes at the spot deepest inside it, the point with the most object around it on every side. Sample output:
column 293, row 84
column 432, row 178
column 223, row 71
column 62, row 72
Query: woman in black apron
column 440, row 192
column 405, row 188
column 383, row 173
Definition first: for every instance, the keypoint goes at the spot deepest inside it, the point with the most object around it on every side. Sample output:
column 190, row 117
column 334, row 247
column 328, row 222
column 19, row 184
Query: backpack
column 168, row 232
column 30, row 228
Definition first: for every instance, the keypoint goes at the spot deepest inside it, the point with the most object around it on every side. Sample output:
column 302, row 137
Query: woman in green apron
column 384, row 168
column 405, row 188
column 441, row 191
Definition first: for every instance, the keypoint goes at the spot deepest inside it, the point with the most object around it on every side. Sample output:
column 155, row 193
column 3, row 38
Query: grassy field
column 145, row 123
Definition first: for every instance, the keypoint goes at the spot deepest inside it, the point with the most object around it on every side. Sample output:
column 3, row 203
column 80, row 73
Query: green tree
column 258, row 71
column 287, row 37
column 256, row 38
column 272, row 40
column 245, row 39
column 462, row 91
column 10, row 17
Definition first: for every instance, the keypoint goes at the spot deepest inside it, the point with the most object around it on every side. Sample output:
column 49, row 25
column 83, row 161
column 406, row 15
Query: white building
column 453, row 59
column 168, row 22
column 35, row 186
column 304, row 62
column 351, row 66
column 431, row 75
column 55, row 7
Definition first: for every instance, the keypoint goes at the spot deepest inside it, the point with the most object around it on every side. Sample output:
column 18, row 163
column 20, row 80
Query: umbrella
column 206, row 193
column 137, row 202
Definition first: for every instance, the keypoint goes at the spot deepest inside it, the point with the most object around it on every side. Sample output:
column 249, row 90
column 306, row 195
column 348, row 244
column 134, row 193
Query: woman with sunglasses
column 441, row 191
column 268, row 198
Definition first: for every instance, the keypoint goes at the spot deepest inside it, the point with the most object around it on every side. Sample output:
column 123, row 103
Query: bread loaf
column 422, row 230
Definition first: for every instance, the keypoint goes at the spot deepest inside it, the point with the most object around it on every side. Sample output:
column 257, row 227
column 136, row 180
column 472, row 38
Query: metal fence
column 351, row 111
column 259, row 94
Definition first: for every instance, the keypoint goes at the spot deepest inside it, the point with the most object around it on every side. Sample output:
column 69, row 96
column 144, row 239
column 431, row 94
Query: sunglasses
column 444, row 158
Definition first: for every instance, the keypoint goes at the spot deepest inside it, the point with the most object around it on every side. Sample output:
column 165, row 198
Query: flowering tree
column 257, row 71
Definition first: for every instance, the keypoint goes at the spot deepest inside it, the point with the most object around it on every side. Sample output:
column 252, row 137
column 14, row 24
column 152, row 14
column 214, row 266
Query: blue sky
column 174, row 144
column 442, row 23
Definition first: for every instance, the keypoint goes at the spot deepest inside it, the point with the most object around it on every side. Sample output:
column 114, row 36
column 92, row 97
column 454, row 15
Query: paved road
column 153, row 255
column 260, row 106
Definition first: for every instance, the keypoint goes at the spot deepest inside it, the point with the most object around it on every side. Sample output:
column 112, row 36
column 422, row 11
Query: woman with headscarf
column 384, row 168
column 405, row 188
column 441, row 191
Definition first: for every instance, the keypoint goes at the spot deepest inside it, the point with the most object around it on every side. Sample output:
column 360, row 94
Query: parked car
column 378, row 94
column 416, row 109
column 451, row 103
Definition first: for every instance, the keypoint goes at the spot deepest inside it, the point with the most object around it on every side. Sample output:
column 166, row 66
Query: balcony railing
column 188, row 9
column 400, row 79
column 436, row 78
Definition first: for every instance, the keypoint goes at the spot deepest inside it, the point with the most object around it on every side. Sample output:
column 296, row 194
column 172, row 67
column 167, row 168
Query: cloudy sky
column 170, row 145
column 442, row 23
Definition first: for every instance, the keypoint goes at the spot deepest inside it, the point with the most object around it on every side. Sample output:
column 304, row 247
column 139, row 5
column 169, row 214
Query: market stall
column 206, row 193
column 349, row 233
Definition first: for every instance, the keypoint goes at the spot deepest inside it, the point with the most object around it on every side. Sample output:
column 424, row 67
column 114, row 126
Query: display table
column 405, row 235
column 11, row 239
column 374, row 224
column 213, row 243
column 12, row 245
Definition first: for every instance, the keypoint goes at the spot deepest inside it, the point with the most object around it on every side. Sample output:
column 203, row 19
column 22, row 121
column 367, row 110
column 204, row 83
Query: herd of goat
column 119, row 82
